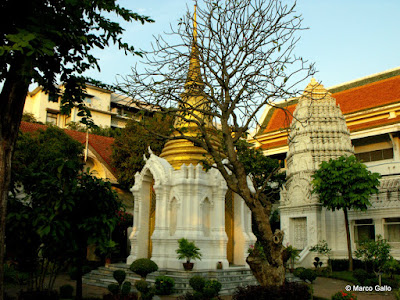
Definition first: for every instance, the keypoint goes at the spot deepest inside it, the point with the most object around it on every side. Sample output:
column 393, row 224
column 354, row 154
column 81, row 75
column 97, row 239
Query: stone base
column 230, row 278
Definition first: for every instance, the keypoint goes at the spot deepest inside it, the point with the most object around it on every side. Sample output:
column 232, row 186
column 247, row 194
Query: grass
column 343, row 275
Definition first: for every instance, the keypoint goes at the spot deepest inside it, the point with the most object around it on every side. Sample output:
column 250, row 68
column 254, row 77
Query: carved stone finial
column 150, row 151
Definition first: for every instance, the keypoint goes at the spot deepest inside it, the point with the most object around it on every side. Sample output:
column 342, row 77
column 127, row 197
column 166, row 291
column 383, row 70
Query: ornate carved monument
column 318, row 133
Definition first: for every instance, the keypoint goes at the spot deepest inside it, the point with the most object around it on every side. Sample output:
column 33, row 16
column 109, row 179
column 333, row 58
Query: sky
column 347, row 40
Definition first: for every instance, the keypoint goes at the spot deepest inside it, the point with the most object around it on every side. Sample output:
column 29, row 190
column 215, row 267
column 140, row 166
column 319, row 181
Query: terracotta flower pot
column 188, row 266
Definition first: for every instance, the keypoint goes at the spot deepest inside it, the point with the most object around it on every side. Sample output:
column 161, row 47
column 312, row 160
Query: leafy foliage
column 375, row 251
column 56, row 38
column 263, row 170
column 164, row 285
column 133, row 143
column 345, row 183
column 143, row 267
column 187, row 250
column 203, row 289
column 291, row 290
column 63, row 209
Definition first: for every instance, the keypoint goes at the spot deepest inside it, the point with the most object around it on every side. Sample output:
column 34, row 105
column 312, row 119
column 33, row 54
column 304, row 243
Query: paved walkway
column 323, row 287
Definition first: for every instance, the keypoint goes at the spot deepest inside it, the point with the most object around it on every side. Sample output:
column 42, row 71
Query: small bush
column 66, row 291
column 291, row 290
column 212, row 288
column 361, row 276
column 126, row 288
column 343, row 264
column 371, row 281
column 298, row 271
column 308, row 275
column 143, row 267
column 197, row 283
column 142, row 286
column 397, row 294
column 146, row 291
column 343, row 295
column 119, row 276
column 113, row 288
column 164, row 285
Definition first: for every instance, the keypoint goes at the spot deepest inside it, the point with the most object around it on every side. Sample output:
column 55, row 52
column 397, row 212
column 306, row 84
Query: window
column 392, row 231
column 51, row 118
column 53, row 97
column 375, row 155
column 364, row 230
column 88, row 100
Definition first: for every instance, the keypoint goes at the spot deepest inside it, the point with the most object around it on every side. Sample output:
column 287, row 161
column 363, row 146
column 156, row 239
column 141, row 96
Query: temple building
column 360, row 117
column 176, row 198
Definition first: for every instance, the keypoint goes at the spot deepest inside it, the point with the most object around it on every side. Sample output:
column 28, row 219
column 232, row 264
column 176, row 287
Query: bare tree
column 241, row 59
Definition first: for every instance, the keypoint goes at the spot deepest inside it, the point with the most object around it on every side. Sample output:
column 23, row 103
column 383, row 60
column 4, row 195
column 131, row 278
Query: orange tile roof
column 360, row 98
column 101, row 144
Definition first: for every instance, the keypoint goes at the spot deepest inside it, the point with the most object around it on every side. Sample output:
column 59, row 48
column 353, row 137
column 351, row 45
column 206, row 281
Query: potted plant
column 107, row 249
column 188, row 250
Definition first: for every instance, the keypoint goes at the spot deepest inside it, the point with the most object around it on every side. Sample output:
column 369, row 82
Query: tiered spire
column 194, row 74
column 182, row 151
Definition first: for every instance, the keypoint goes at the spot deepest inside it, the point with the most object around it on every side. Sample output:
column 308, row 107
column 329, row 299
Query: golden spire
column 182, row 151
column 194, row 74
column 316, row 90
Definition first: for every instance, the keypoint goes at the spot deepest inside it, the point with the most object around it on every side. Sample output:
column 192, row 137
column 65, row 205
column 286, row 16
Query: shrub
column 343, row 264
column 298, row 271
column 371, row 281
column 143, row 267
column 291, row 290
column 113, row 288
column 119, row 276
column 146, row 291
column 212, row 288
column 126, row 288
column 391, row 267
column 344, row 296
column 66, row 291
column 197, row 283
column 164, row 285
column 361, row 276
column 308, row 275
column 397, row 294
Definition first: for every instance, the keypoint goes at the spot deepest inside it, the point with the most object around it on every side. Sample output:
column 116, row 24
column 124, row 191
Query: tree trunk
column 12, row 100
column 267, row 267
column 346, row 222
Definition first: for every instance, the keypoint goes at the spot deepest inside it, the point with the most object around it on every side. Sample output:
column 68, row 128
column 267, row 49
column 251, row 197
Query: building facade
column 370, row 108
column 108, row 109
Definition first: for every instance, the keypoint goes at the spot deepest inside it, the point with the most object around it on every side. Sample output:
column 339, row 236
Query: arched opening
column 229, row 225
column 173, row 216
column 152, row 216
column 206, row 217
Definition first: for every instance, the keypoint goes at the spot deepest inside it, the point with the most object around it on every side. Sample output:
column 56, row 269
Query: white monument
column 175, row 198
column 318, row 133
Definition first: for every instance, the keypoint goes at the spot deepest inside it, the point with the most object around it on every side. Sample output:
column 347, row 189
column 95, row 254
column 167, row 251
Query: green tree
column 345, row 183
column 377, row 252
column 42, row 41
column 133, row 143
column 64, row 209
